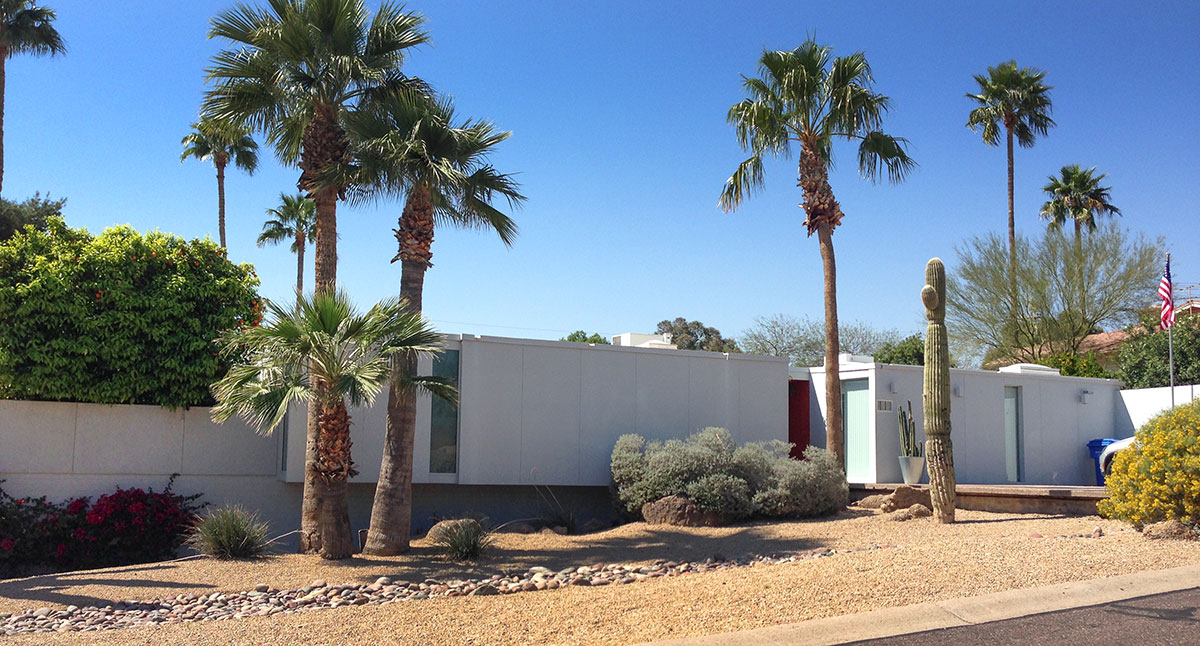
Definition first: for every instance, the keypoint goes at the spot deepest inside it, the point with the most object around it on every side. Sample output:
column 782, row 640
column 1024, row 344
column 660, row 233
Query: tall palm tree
column 808, row 97
column 25, row 28
column 221, row 141
column 410, row 145
column 326, row 352
column 1015, row 99
column 294, row 219
column 294, row 69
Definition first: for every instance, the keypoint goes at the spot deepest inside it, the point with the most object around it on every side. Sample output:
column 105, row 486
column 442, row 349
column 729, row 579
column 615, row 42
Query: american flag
column 1166, row 317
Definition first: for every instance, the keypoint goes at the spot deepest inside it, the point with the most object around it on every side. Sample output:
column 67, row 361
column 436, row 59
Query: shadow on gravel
column 47, row 589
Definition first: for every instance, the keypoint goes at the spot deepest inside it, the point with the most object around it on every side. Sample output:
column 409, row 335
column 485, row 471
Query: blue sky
column 621, row 145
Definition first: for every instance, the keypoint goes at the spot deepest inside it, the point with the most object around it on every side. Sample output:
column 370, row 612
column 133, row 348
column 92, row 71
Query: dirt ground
column 913, row 562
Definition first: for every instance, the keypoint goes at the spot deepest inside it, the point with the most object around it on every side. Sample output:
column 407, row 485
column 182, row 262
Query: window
column 1013, row 449
column 443, row 419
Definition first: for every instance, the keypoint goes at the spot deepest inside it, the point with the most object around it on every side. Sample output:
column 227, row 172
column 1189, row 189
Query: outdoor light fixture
column 891, row 386
column 1083, row 395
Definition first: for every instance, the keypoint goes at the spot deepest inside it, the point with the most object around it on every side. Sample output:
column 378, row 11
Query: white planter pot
column 911, row 469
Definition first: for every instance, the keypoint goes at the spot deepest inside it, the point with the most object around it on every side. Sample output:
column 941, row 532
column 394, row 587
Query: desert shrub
column 462, row 541
column 117, row 318
column 121, row 528
column 229, row 533
column 756, row 479
column 1158, row 477
column 722, row 494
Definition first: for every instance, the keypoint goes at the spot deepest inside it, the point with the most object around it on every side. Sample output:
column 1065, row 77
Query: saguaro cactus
column 938, row 449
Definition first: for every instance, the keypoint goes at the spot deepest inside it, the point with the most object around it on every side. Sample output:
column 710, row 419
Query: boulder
column 678, row 510
column 871, row 502
column 1169, row 530
column 905, row 497
column 438, row 530
column 915, row 511
column 594, row 525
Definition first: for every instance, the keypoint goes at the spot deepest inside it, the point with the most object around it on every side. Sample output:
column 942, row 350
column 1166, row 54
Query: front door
column 856, row 429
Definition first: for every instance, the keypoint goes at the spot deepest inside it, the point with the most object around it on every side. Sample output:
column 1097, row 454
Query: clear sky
column 620, row 142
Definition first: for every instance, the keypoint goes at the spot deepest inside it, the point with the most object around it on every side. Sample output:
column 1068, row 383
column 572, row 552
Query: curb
column 951, row 613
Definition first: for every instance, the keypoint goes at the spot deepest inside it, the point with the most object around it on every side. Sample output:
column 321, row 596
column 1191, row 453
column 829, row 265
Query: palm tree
column 294, row 219
column 1017, row 100
column 25, row 28
column 1076, row 195
column 221, row 141
column 326, row 352
column 410, row 145
column 809, row 97
column 293, row 71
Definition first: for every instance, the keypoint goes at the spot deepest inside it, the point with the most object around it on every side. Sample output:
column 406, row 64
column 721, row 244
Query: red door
column 798, row 416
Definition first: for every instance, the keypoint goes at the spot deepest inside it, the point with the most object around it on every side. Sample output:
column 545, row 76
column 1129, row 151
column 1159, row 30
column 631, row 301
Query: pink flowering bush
column 120, row 528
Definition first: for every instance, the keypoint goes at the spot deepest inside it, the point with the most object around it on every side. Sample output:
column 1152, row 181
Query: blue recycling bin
column 1096, row 447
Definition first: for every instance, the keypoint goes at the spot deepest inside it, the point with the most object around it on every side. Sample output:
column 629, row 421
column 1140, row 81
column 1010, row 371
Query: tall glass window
column 443, row 421
column 1012, row 434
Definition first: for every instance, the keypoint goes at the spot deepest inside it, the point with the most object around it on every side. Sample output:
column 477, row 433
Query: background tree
column 293, row 71
column 412, row 145
column 802, row 340
column 35, row 211
column 25, row 28
column 1142, row 359
column 1116, row 277
column 694, row 335
column 909, row 351
column 579, row 336
column 809, row 97
column 1078, row 365
column 1016, row 100
column 294, row 219
column 221, row 141
column 326, row 351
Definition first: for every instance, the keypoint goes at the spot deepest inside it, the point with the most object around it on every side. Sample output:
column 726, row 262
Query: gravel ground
column 921, row 562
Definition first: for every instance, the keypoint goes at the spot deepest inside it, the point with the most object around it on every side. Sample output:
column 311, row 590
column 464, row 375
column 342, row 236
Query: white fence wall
column 1136, row 407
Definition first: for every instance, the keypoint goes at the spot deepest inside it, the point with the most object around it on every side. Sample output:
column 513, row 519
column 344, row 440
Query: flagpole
column 1171, row 340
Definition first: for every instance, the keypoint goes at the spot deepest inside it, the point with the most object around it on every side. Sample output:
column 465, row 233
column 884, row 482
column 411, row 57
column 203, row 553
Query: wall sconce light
column 1083, row 396
column 956, row 390
column 891, row 386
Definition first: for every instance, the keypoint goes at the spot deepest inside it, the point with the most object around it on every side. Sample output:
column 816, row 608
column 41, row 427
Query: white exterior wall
column 1136, row 407
column 1057, row 425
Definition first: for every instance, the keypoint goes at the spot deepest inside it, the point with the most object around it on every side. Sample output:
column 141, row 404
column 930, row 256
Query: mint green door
column 856, row 430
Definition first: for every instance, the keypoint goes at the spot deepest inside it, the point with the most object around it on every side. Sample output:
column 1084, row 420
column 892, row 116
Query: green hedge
column 117, row 318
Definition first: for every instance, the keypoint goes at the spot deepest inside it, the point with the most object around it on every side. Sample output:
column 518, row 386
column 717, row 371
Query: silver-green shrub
column 755, row 479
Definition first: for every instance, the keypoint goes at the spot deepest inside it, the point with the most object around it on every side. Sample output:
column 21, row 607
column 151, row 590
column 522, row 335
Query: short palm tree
column 808, row 97
column 326, row 352
column 1015, row 99
column 1075, row 194
column 294, row 219
column 25, row 28
column 410, row 145
column 293, row 70
column 221, row 141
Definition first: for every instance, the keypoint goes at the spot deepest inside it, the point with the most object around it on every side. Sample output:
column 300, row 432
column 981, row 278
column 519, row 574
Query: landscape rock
column 594, row 525
column 438, row 530
column 910, row 513
column 1169, row 530
column 678, row 510
column 905, row 497
column 871, row 502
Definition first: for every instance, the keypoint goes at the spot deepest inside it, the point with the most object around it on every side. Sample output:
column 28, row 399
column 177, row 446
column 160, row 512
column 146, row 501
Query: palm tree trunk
column 1012, row 244
column 833, row 379
column 335, row 467
column 3, row 73
column 220, row 161
column 391, row 513
column 299, row 263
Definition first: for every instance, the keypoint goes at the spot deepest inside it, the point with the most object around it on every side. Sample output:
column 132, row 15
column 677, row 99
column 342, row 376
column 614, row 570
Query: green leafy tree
column 25, row 28
column 579, row 336
column 324, row 351
column 1142, row 360
column 1061, row 296
column 413, row 145
column 1078, row 365
column 294, row 219
column 293, row 70
column 802, row 340
column 35, row 211
column 221, row 141
column 808, row 97
column 117, row 318
column 1015, row 100
column 909, row 351
column 694, row 335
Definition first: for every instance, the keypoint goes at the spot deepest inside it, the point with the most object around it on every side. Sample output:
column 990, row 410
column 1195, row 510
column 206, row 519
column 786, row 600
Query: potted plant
column 912, row 460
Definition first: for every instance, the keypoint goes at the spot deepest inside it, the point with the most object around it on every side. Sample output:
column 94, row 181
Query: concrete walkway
column 956, row 613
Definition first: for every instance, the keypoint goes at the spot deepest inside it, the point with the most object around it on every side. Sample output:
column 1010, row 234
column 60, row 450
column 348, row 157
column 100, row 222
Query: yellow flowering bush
column 1158, row 477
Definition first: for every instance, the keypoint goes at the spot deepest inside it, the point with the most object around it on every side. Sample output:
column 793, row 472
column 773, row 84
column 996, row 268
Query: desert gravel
column 918, row 561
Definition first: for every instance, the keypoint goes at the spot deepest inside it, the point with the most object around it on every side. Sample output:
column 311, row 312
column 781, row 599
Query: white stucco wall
column 1135, row 407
